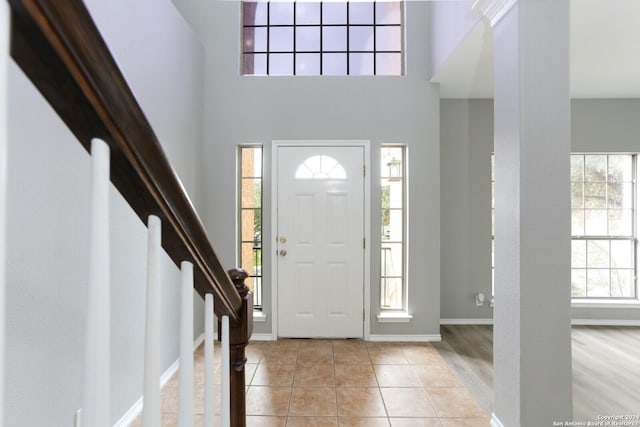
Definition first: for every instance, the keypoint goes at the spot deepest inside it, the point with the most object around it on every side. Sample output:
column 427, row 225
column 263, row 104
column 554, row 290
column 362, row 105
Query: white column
column 209, row 407
column 532, row 326
column 4, row 112
column 225, row 388
column 97, row 390
column 151, row 408
column 185, row 393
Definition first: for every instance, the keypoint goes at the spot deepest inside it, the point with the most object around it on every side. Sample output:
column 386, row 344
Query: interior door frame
column 366, row 146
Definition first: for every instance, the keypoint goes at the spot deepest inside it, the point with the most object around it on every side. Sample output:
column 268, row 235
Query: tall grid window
column 393, row 250
column 250, row 230
column 603, row 247
column 322, row 38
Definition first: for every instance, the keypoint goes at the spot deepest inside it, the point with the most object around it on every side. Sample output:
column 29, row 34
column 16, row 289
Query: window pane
column 577, row 222
column 621, row 222
column 307, row 13
column 620, row 168
column 598, row 283
column 577, row 168
column 281, row 13
column 334, row 39
column 254, row 64
column 578, row 283
column 620, row 195
column 595, row 168
column 622, row 253
column 334, row 63
column 388, row 64
column 595, row 222
column 391, row 261
column 281, row 39
column 361, row 38
column 254, row 13
column 308, row 64
column 577, row 189
column 595, row 195
column 598, row 254
column 308, row 39
column 391, row 289
column 334, row 13
column 578, row 253
column 360, row 13
column 388, row 12
column 622, row 284
column 391, row 162
column 388, row 38
column 281, row 64
column 255, row 39
column 392, row 196
column 251, row 193
column 361, row 64
column 251, row 258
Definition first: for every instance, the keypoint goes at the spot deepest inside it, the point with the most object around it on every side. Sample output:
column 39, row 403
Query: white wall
column 242, row 110
column 597, row 125
column 48, row 222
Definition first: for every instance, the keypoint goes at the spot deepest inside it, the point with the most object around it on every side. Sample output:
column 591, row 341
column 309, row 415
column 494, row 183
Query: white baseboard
column 495, row 422
column 405, row 338
column 263, row 337
column 136, row 409
column 466, row 321
column 605, row 322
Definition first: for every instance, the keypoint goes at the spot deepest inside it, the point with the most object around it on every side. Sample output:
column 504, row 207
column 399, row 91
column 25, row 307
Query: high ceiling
column 605, row 54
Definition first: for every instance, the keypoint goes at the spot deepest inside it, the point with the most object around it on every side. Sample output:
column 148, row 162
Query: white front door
column 320, row 241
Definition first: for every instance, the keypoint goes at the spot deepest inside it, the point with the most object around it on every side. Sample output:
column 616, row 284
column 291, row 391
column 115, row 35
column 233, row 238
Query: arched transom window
column 321, row 167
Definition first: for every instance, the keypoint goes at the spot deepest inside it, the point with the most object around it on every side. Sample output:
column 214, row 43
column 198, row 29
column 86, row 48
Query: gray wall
column 48, row 222
column 597, row 125
column 241, row 110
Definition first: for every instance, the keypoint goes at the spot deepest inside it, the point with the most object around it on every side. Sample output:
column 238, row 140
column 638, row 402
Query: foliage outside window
column 603, row 247
column 393, row 253
column 250, row 230
column 322, row 38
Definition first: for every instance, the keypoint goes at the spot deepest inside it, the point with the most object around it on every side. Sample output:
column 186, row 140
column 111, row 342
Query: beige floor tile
column 387, row 356
column 280, row 356
column 396, row 376
column 454, row 402
column 415, row 422
column 315, row 356
column 312, row 422
column 313, row 401
column 465, row 422
column 351, row 356
column 321, row 375
column 263, row 400
column 349, row 344
column 436, row 375
column 355, row 376
column 360, row 402
column 281, row 375
column 407, row 402
column 363, row 422
column 266, row 421
column 421, row 354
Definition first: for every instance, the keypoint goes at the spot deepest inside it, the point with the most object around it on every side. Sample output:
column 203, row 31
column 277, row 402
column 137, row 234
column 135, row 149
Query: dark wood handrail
column 57, row 45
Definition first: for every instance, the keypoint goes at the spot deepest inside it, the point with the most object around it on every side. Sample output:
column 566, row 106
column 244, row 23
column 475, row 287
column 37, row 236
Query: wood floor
column 606, row 367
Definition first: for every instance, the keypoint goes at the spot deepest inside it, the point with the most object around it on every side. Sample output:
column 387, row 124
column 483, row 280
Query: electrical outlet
column 479, row 299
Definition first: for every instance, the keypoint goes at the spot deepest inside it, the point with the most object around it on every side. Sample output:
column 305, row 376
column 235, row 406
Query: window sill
column 394, row 318
column 603, row 303
column 259, row 316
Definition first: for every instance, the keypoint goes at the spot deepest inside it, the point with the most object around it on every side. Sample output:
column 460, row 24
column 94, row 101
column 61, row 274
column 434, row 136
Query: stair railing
column 58, row 46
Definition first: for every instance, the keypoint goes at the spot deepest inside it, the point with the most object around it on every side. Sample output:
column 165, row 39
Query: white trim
column 366, row 145
column 605, row 322
column 263, row 337
column 135, row 410
column 405, row 338
column 259, row 316
column 394, row 318
column 466, row 321
column 495, row 422
column 603, row 303
column 493, row 10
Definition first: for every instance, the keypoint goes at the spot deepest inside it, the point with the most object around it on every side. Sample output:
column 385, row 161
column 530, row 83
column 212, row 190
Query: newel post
column 239, row 335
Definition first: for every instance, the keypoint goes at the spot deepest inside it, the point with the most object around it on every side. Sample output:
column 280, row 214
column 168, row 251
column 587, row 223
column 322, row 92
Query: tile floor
column 317, row 383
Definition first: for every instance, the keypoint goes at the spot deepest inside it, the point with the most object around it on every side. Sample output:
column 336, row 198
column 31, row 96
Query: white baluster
column 185, row 394
column 4, row 112
column 151, row 408
column 209, row 408
column 226, row 366
column 97, row 388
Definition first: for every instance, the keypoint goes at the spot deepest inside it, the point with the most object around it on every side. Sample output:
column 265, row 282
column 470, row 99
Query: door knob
column 283, row 252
